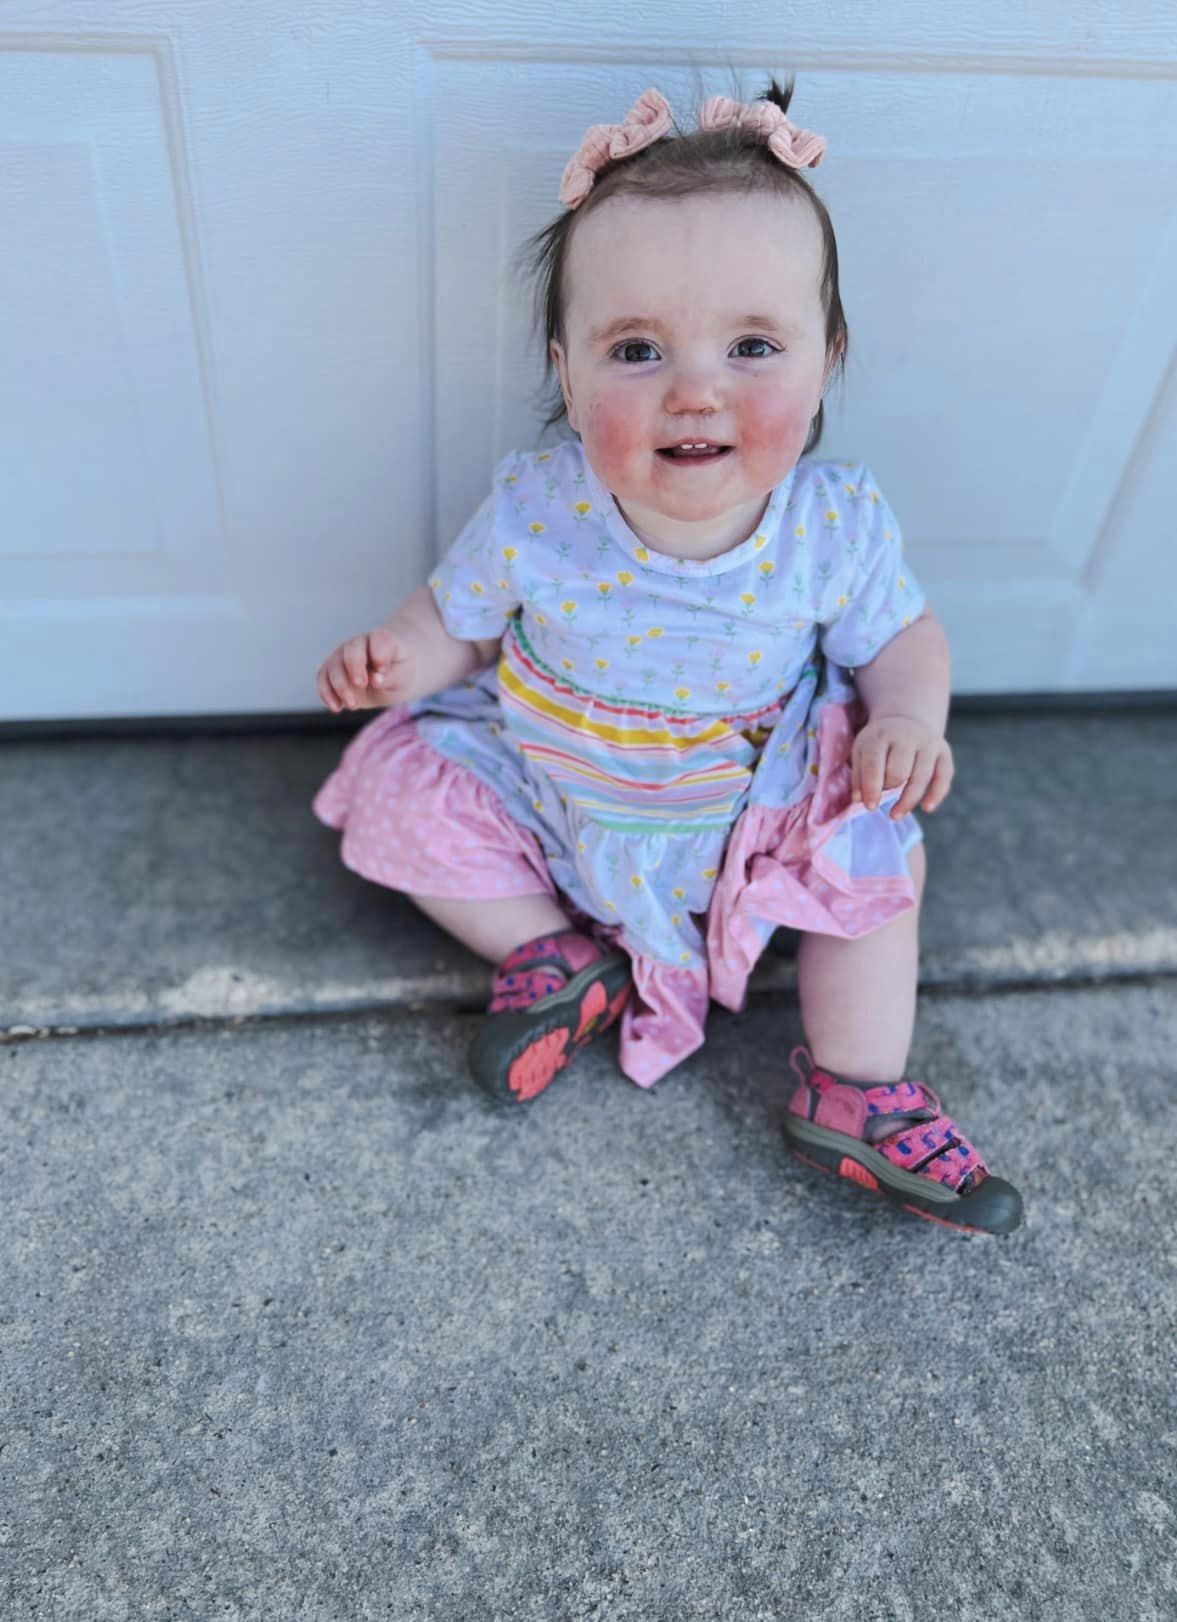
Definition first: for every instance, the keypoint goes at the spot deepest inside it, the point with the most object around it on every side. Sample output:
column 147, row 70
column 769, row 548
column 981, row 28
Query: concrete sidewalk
column 296, row 1324
column 153, row 881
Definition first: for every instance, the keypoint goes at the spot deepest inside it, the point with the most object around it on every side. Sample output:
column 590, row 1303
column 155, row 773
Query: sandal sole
column 517, row 1054
column 995, row 1207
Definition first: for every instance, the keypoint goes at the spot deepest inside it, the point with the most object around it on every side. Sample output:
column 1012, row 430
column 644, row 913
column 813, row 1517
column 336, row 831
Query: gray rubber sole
column 503, row 1038
column 995, row 1207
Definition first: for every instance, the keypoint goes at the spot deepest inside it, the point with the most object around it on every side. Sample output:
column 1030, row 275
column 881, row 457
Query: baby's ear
column 835, row 351
column 558, row 361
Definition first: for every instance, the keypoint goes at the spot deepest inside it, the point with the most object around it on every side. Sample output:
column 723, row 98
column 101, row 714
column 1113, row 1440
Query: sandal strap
column 884, row 1099
column 929, row 1144
column 901, row 1098
column 521, row 990
column 936, row 1149
column 539, row 968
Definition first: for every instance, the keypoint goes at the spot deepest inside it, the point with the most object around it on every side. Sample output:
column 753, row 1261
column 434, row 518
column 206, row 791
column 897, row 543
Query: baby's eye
column 623, row 350
column 632, row 343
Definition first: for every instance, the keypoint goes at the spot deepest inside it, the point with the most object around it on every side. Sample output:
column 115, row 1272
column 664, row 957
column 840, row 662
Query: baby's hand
column 366, row 671
column 895, row 749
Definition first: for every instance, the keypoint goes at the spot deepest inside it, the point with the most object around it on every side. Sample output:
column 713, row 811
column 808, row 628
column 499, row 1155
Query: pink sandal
column 926, row 1164
column 550, row 997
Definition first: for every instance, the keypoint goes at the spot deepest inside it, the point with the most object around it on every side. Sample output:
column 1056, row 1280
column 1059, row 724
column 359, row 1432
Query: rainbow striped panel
column 629, row 767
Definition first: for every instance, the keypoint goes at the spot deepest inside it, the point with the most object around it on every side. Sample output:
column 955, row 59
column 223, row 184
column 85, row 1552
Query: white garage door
column 254, row 297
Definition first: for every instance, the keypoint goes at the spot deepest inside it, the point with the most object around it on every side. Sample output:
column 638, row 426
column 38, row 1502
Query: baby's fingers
column 918, row 780
column 386, row 650
column 326, row 692
column 339, row 684
column 354, row 654
column 901, row 759
column 884, row 765
column 337, row 681
column 941, row 780
column 866, row 770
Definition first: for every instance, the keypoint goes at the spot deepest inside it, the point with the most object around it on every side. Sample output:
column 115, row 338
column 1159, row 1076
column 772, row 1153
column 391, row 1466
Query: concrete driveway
column 295, row 1323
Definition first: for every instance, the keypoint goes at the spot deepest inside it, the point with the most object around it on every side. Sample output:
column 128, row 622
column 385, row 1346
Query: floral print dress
column 663, row 745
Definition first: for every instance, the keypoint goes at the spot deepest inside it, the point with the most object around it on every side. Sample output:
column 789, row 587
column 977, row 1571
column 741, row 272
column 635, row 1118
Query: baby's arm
column 905, row 690
column 408, row 657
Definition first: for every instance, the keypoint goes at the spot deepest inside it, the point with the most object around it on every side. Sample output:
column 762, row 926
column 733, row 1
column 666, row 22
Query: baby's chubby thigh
column 917, row 866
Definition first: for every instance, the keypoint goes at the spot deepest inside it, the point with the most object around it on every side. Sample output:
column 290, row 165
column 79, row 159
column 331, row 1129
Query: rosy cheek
column 775, row 425
column 610, row 431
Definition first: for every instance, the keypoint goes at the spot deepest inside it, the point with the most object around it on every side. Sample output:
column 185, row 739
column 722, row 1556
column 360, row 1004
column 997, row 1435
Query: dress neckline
column 752, row 547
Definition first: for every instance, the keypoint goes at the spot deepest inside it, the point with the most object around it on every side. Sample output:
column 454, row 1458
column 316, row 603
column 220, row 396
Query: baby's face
column 728, row 346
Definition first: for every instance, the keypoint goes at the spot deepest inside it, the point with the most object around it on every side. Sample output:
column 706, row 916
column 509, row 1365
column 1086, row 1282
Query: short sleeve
column 473, row 585
column 874, row 595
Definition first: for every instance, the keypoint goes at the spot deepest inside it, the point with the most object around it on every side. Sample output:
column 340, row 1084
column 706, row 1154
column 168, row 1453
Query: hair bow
column 798, row 148
column 647, row 119
column 650, row 117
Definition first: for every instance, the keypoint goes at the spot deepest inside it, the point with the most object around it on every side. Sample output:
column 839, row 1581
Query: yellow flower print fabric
column 642, row 703
column 550, row 550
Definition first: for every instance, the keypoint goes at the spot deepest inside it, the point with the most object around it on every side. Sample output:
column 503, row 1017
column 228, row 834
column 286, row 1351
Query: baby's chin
column 698, row 529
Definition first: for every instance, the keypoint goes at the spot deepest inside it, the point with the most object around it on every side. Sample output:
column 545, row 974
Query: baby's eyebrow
column 650, row 323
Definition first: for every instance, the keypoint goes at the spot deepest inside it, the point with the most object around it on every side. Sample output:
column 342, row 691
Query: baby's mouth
column 694, row 451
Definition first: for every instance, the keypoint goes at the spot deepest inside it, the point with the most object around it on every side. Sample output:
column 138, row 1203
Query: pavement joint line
column 17, row 1035
column 222, row 989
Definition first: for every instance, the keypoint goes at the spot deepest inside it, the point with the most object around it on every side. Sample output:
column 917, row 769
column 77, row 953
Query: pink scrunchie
column 649, row 118
column 798, row 148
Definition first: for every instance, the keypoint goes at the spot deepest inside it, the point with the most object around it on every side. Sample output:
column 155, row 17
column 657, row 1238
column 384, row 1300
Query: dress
column 663, row 745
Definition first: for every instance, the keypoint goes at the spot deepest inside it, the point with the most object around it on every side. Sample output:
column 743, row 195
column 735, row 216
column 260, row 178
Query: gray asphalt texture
column 295, row 1323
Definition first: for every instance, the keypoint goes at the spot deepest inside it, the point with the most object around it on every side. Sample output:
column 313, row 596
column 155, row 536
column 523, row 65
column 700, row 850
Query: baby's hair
column 685, row 164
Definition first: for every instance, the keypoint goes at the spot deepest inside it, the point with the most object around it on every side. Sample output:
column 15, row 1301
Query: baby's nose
column 697, row 389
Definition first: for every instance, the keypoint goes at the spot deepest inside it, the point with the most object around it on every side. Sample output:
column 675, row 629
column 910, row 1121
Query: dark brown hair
column 682, row 165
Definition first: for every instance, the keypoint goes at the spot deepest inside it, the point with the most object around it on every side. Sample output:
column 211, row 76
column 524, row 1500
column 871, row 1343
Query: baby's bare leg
column 494, row 928
column 858, row 996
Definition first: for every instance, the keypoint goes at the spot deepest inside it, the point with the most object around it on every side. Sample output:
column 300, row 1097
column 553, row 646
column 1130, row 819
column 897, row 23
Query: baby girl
column 674, row 685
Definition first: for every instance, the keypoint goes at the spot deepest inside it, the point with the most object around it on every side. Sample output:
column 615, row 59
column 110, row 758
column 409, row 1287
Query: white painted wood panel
column 259, row 345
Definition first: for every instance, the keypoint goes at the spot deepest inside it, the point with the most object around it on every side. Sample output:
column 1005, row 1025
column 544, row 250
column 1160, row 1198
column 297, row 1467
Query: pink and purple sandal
column 926, row 1164
column 550, row 997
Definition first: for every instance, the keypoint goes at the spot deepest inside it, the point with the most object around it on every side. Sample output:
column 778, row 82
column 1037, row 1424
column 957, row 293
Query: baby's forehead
column 695, row 252
column 703, row 219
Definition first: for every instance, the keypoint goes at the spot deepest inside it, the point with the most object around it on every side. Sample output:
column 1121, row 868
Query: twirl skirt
column 417, row 819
